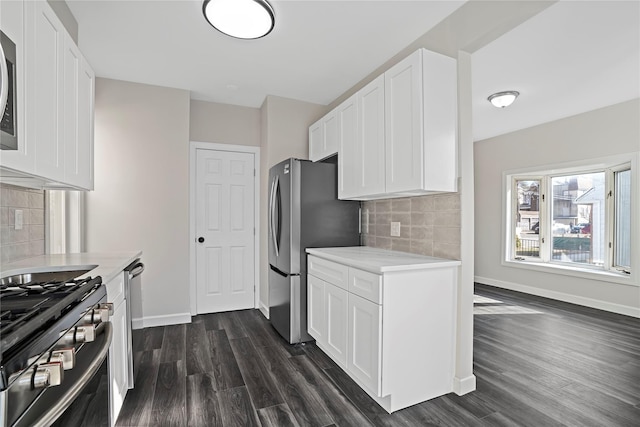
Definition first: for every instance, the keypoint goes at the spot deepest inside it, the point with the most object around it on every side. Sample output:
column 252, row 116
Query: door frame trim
column 213, row 146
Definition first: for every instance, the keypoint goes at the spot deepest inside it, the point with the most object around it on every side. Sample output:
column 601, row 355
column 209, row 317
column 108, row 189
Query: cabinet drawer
column 115, row 290
column 365, row 284
column 334, row 273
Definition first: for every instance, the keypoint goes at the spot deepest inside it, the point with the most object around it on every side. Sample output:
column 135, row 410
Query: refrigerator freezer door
column 287, row 306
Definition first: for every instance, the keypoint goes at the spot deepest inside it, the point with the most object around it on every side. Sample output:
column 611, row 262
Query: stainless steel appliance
column 54, row 339
column 8, row 119
column 304, row 211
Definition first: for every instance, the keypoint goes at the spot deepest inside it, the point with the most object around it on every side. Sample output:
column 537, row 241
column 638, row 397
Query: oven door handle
column 55, row 411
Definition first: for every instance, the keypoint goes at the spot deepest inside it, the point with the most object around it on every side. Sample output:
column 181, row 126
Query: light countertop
column 106, row 265
column 380, row 261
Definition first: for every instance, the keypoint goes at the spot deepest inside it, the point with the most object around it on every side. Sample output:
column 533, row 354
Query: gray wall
column 141, row 196
column 600, row 133
column 284, row 134
column 224, row 124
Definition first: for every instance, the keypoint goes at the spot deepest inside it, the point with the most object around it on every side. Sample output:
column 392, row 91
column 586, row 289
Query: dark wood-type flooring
column 538, row 362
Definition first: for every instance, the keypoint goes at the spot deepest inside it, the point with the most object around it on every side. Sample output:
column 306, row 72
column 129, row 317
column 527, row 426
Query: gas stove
column 54, row 335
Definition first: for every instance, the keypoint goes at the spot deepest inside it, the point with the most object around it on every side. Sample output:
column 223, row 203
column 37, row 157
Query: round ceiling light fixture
column 503, row 99
column 242, row 19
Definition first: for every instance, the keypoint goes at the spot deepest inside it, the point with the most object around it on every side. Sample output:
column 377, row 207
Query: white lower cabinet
column 365, row 330
column 336, row 302
column 316, row 324
column 118, row 360
column 118, row 351
column 392, row 332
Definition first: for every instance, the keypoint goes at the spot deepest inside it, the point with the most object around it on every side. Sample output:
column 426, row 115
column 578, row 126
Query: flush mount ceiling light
column 243, row 19
column 503, row 99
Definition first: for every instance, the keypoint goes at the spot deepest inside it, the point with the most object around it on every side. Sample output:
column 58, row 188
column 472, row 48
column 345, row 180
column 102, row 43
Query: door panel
column 225, row 219
column 365, row 331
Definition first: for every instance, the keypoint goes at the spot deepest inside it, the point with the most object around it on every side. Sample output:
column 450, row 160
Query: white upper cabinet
column 403, row 141
column 361, row 153
column 323, row 137
column 79, row 83
column 420, row 124
column 347, row 114
column 55, row 103
column 369, row 167
column 44, row 39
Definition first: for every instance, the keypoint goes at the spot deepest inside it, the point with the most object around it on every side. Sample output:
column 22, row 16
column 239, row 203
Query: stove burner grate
column 26, row 309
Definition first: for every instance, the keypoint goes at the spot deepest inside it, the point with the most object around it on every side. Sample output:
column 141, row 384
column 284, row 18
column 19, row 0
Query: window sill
column 587, row 273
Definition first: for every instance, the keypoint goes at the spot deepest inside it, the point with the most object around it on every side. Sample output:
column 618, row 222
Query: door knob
column 201, row 239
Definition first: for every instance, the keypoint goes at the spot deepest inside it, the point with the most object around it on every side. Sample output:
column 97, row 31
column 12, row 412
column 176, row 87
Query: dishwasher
column 132, row 280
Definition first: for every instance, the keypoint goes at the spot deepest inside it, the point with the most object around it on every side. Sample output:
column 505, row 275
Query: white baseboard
column 464, row 385
column 264, row 309
column 151, row 321
column 561, row 296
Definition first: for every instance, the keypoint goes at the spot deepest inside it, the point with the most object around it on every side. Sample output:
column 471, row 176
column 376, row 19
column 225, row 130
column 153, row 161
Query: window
column 576, row 217
column 64, row 218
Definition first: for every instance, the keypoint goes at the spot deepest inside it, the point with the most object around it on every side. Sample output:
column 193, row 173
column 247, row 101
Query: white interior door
column 225, row 251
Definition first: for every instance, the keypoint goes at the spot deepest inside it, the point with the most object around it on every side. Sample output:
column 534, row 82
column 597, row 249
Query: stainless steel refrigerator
column 304, row 212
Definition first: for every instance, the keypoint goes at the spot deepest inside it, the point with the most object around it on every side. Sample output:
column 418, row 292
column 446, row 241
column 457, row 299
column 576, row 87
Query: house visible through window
column 578, row 218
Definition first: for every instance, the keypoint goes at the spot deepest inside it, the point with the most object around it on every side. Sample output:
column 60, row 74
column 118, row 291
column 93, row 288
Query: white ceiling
column 573, row 57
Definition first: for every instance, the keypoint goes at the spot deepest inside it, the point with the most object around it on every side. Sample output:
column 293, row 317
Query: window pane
column 622, row 233
column 527, row 219
column 578, row 213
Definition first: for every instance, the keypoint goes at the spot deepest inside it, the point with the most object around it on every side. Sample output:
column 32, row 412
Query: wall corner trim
column 462, row 386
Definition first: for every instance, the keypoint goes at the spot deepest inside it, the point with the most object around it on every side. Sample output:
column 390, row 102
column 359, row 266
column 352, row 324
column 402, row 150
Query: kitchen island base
column 390, row 327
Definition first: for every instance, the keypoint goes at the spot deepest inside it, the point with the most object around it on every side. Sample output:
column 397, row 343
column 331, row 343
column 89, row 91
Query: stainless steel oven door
column 85, row 395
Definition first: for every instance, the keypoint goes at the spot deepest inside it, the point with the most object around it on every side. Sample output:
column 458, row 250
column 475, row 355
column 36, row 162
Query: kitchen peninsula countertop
column 104, row 264
column 380, row 261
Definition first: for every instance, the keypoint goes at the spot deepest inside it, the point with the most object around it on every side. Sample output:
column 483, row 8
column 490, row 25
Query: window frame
column 607, row 272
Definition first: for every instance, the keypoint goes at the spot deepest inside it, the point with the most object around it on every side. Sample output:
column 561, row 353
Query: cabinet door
column 118, row 360
column 78, row 117
column 403, row 125
column 347, row 121
column 336, row 300
column 44, row 40
column 316, row 323
column 316, row 140
column 369, row 154
column 365, row 340
column 330, row 131
column 12, row 24
column 323, row 137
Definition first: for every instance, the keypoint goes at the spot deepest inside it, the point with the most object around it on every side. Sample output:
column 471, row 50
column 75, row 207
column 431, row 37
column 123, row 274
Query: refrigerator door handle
column 277, row 221
column 272, row 215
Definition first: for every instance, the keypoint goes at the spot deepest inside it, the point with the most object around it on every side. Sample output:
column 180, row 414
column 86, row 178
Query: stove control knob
column 108, row 306
column 42, row 376
column 79, row 334
column 55, row 371
column 65, row 356
column 96, row 315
